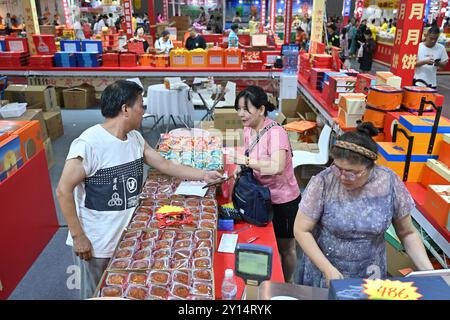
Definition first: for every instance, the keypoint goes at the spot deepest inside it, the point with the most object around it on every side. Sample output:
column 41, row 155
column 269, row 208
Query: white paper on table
column 192, row 188
column 228, row 243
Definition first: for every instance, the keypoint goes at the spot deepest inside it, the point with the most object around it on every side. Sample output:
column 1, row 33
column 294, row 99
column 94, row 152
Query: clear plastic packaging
column 181, row 277
column 137, row 225
column 180, row 290
column 177, row 203
column 181, row 254
column 137, row 278
column 128, row 244
column 202, row 263
column 161, row 278
column 202, row 275
column 148, row 244
column 142, row 254
column 204, row 244
column 184, row 235
column 120, row 264
column 141, row 264
column 162, row 253
column 158, row 292
column 208, row 216
column 167, row 234
column 144, row 210
column 203, row 235
column 112, row 291
column 153, row 224
column 209, row 203
column 163, row 244
column 149, row 203
column 159, row 264
column 150, row 235
column 132, row 235
column 192, row 203
column 136, row 292
column 180, row 264
column 202, row 288
column 124, row 253
column 194, row 210
column 116, row 279
column 141, row 218
column 202, row 252
column 180, row 244
column 207, row 224
column 211, row 210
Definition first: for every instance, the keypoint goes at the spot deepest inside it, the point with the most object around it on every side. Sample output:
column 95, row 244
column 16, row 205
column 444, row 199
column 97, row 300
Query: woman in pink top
column 271, row 161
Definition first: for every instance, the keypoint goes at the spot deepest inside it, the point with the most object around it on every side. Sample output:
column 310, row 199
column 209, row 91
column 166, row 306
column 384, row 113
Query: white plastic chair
column 312, row 158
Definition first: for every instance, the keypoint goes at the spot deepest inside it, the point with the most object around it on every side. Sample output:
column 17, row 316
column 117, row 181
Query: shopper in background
column 301, row 38
column 271, row 161
column 343, row 44
column 333, row 36
column 139, row 37
column 79, row 30
column 163, row 45
column 159, row 18
column 365, row 62
column 8, row 23
column 134, row 22
column 345, row 211
column 233, row 39
column 56, row 20
column 202, row 18
column 296, row 23
column 102, row 178
column 352, row 30
column 237, row 19
column 111, row 21
column 195, row 41
column 384, row 26
column 86, row 26
column 393, row 29
column 373, row 28
column 430, row 56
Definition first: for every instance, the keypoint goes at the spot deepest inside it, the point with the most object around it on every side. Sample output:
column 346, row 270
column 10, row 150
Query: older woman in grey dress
column 345, row 211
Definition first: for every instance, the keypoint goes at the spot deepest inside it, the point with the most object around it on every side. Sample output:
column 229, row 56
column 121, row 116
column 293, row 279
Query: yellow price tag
column 390, row 290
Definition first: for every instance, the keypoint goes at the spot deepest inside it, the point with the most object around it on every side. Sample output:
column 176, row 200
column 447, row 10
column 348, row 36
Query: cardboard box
column 45, row 95
column 49, row 153
column 292, row 107
column 181, row 22
column 437, row 203
column 33, row 114
column 15, row 93
column 226, row 119
column 397, row 260
column 80, row 97
column 54, row 124
column 59, row 96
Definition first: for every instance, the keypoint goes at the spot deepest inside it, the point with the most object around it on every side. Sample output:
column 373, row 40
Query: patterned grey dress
column 351, row 223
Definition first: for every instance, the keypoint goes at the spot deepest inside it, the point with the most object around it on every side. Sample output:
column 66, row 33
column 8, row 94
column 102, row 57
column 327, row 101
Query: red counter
column 28, row 220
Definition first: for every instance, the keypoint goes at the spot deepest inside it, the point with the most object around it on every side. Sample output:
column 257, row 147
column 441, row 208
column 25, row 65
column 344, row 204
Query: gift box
column 412, row 95
column 215, row 57
column 394, row 157
column 127, row 60
column 435, row 172
column 364, row 81
column 269, row 57
column 44, row 44
column 88, row 59
column 10, row 156
column 255, row 65
column 92, row 46
column 444, row 152
column 421, row 128
column 388, row 78
column 353, row 103
column 197, row 58
column 390, row 120
column 179, row 58
column 65, row 59
column 385, row 97
column 70, row 45
column 233, row 58
column 14, row 59
column 145, row 60
column 428, row 288
column 348, row 120
column 16, row 44
column 160, row 60
column 42, row 60
column 110, row 59
column 437, row 204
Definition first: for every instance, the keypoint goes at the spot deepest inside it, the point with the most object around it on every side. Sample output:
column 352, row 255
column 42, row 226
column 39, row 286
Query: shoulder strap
column 258, row 137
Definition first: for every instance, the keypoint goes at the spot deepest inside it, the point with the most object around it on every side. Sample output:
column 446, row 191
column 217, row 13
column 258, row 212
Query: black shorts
column 284, row 217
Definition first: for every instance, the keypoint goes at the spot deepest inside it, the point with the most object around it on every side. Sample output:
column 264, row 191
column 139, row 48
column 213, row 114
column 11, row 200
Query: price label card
column 179, row 60
column 198, row 60
column 16, row 46
column 70, row 47
column 215, row 60
column 390, row 290
column 232, row 60
column 271, row 59
column 92, row 47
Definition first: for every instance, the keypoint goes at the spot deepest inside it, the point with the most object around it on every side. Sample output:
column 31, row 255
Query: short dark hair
column 434, row 30
column 361, row 137
column 332, row 26
column 117, row 94
column 234, row 27
column 165, row 33
column 257, row 96
column 368, row 32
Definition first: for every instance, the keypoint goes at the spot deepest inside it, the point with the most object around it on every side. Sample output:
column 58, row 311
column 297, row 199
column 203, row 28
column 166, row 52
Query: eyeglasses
column 348, row 175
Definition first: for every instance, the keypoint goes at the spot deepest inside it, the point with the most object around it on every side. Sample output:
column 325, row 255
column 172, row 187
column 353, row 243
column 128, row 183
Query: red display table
column 28, row 220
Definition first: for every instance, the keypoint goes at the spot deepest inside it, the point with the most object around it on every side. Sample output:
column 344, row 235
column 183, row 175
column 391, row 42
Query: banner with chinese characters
column 263, row 13
column 273, row 14
column 317, row 20
column 67, row 15
column 287, row 21
column 128, row 14
column 31, row 22
column 359, row 8
column 407, row 38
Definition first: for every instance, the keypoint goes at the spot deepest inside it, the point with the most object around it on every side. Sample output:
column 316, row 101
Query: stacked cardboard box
column 80, row 97
column 351, row 109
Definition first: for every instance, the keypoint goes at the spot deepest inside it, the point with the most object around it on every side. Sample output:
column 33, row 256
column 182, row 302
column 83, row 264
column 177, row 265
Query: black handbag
column 250, row 198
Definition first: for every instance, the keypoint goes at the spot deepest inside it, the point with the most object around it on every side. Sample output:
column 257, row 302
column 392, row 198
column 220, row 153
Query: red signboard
column 128, row 14
column 287, row 21
column 407, row 38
